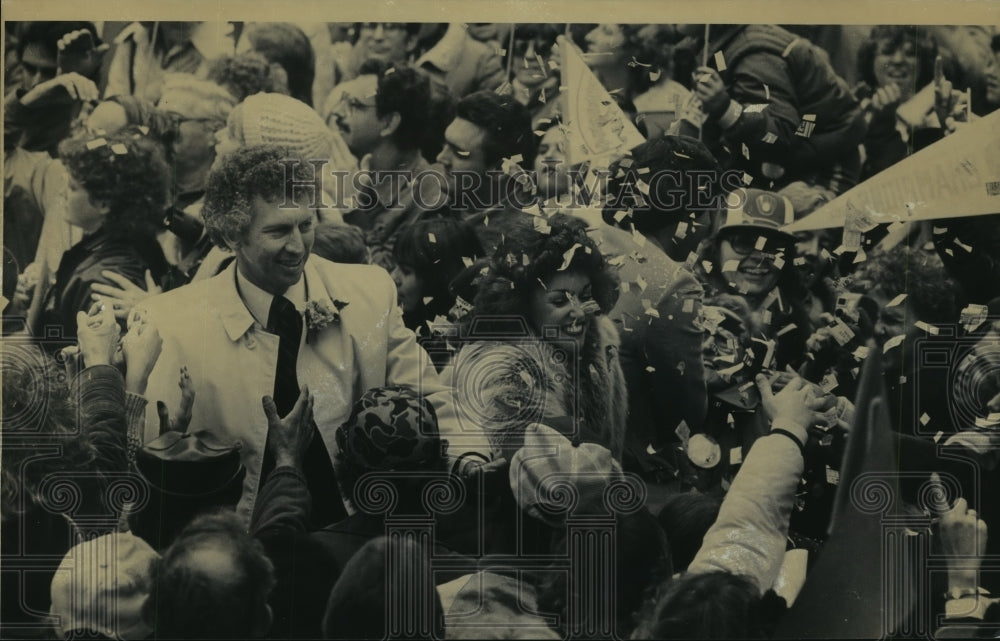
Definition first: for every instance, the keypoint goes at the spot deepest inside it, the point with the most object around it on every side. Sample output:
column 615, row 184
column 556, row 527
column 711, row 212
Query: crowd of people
column 323, row 330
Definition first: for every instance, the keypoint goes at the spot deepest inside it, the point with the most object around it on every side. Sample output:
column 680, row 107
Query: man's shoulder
column 190, row 297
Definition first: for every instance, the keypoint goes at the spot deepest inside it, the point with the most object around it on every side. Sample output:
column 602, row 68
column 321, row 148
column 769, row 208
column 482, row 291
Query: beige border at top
column 968, row 12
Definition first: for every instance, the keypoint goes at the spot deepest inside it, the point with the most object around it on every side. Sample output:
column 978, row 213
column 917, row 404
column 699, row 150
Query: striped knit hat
column 276, row 119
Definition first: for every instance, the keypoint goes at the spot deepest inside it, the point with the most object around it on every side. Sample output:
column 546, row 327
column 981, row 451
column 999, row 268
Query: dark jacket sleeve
column 673, row 349
column 283, row 505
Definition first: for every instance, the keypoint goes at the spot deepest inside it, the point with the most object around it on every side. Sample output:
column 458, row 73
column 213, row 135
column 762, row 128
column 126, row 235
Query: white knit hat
column 276, row 119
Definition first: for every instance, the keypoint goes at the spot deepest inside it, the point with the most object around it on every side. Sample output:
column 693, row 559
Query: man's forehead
column 464, row 134
column 36, row 56
column 278, row 211
column 364, row 86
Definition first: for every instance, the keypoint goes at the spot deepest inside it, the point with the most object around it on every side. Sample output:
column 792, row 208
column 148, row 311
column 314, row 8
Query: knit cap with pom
column 276, row 119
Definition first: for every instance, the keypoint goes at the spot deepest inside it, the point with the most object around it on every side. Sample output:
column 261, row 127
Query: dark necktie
column 285, row 321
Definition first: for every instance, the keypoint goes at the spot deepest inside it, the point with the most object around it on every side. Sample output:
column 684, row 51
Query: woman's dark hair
column 919, row 274
column 529, row 256
column 127, row 171
column 686, row 517
column 287, row 45
column 897, row 36
column 434, row 249
column 243, row 75
column 712, row 605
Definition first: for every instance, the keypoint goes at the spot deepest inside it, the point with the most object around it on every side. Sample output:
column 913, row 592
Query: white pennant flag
column 596, row 126
column 956, row 176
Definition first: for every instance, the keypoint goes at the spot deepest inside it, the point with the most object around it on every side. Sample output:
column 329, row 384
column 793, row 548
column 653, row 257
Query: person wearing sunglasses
column 750, row 256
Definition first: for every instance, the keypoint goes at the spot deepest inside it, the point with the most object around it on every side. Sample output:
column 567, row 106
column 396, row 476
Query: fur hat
column 101, row 585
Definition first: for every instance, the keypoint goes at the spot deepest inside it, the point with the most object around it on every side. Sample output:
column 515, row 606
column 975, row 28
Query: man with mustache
column 385, row 117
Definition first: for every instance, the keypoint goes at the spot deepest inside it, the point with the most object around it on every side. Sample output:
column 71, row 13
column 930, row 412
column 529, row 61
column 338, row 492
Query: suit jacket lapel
column 326, row 362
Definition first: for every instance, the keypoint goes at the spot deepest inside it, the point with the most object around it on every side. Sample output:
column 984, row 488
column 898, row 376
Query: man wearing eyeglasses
column 385, row 117
column 198, row 109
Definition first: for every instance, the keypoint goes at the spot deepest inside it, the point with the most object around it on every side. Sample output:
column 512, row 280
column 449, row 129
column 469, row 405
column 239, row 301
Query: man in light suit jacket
column 218, row 328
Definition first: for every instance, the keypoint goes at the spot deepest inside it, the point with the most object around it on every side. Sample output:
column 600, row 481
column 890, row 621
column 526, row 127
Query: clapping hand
column 77, row 53
column 141, row 348
column 288, row 438
column 97, row 334
column 182, row 418
column 950, row 105
column 963, row 539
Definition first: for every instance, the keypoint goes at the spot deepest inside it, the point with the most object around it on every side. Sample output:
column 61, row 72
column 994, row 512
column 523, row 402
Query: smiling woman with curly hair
column 540, row 346
column 116, row 193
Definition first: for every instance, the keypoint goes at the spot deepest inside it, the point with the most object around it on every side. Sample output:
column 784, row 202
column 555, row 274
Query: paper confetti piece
column 736, row 455
column 432, row 238
column 620, row 216
column 787, row 328
column 683, row 432
column 747, row 178
column 720, row 61
column 896, row 301
column 937, row 437
column 707, row 266
column 829, row 382
column 119, row 149
column 731, row 266
column 97, row 142
column 568, row 255
column 930, row 329
column 893, row 342
column 641, row 282
column 745, row 150
column 832, row 476
column 767, row 92
column 770, row 138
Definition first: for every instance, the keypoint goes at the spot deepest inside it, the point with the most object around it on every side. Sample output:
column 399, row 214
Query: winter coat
column 81, row 267
column 797, row 113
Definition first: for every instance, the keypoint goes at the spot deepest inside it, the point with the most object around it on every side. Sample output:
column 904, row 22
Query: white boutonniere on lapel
column 319, row 314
